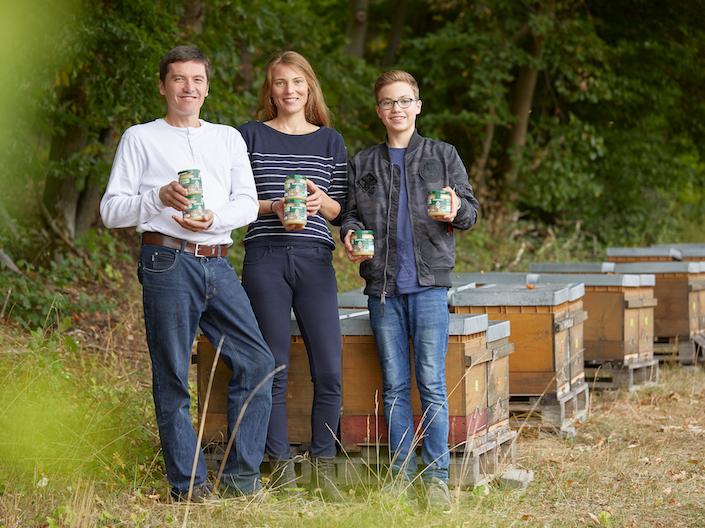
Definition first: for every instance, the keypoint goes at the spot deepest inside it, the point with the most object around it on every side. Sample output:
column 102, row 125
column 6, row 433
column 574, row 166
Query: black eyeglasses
column 388, row 104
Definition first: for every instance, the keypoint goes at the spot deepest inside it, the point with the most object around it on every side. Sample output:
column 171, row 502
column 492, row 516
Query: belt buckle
column 198, row 248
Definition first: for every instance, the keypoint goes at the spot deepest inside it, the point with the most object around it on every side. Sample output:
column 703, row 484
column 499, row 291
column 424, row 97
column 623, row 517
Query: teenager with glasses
column 408, row 277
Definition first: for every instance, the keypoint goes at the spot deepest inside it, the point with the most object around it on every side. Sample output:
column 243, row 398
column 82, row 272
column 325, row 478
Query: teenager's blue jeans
column 422, row 318
column 180, row 293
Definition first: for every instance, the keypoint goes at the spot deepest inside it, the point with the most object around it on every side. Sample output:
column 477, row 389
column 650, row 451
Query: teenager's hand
column 349, row 250
column 314, row 199
column 196, row 225
column 278, row 209
column 454, row 207
column 173, row 194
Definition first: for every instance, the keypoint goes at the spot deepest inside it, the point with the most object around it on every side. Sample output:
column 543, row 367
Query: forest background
column 580, row 123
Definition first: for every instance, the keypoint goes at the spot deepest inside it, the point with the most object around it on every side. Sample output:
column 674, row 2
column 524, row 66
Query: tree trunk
column 520, row 106
column 192, row 20
column 357, row 28
column 61, row 192
column 395, row 33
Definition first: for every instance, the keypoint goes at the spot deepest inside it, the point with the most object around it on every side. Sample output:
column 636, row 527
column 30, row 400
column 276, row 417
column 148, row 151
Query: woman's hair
column 316, row 109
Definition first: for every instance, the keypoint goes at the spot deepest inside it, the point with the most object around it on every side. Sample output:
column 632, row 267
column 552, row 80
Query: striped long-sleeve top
column 319, row 156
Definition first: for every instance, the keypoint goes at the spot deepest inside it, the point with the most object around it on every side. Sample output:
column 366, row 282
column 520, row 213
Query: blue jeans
column 181, row 292
column 423, row 318
column 276, row 278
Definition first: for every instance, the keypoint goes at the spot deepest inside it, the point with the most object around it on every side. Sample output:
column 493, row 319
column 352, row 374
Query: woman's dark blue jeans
column 278, row 278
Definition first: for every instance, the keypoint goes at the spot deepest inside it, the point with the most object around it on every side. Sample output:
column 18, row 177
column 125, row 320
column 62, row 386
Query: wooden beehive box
column 546, row 323
column 643, row 254
column 499, row 348
column 362, row 421
column 678, row 291
column 299, row 394
column 620, row 308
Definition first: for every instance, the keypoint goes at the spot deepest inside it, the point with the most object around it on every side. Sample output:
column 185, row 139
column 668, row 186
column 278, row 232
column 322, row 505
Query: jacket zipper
column 386, row 238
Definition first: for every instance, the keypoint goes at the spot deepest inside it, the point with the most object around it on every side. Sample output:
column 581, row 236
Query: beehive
column 546, row 322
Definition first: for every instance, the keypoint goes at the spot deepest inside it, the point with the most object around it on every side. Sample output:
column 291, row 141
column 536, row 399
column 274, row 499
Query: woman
column 291, row 267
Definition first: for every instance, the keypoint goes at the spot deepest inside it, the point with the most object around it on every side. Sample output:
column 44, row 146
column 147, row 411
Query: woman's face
column 289, row 89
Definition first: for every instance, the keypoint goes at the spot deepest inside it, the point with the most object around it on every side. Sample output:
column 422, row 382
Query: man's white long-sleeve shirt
column 150, row 156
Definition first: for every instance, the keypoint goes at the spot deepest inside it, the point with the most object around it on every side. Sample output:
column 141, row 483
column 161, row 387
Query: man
column 407, row 280
column 186, row 278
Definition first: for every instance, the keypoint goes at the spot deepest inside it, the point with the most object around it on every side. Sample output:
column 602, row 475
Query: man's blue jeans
column 181, row 292
column 423, row 318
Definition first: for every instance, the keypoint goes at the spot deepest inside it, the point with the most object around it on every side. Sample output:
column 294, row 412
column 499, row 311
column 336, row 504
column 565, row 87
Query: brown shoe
column 323, row 480
column 283, row 475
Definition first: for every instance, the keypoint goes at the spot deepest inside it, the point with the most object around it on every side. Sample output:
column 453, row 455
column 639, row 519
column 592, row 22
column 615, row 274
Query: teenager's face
column 398, row 120
column 289, row 90
column 184, row 88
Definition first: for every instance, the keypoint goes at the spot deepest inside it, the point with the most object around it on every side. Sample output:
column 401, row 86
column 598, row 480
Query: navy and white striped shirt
column 274, row 155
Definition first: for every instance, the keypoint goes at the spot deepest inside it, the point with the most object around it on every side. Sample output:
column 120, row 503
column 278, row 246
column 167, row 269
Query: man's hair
column 183, row 54
column 316, row 109
column 396, row 76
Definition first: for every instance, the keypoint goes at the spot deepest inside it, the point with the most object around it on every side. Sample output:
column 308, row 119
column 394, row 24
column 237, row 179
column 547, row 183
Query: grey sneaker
column 438, row 496
column 283, row 475
column 323, row 480
column 400, row 488
column 200, row 493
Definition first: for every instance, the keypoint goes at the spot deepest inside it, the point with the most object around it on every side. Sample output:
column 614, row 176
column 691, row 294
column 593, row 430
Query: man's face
column 185, row 88
column 398, row 120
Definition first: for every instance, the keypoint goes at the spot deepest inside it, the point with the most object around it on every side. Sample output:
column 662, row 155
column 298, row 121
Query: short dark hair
column 183, row 54
column 393, row 76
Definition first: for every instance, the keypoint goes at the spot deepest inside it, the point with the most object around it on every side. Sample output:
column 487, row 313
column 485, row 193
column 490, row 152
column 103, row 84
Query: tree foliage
column 565, row 111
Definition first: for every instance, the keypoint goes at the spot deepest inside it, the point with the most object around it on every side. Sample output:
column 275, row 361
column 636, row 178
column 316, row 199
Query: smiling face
column 398, row 121
column 289, row 90
column 185, row 87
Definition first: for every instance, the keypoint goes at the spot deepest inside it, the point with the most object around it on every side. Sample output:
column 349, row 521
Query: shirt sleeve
column 242, row 207
column 350, row 220
column 338, row 189
column 122, row 204
column 469, row 206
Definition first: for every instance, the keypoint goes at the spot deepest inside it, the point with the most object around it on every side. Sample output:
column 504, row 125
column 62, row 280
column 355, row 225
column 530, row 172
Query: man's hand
column 349, row 250
column 314, row 199
column 173, row 195
column 196, row 225
column 454, row 207
column 278, row 209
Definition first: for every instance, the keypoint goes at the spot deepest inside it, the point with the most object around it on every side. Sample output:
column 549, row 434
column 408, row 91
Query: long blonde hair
column 316, row 109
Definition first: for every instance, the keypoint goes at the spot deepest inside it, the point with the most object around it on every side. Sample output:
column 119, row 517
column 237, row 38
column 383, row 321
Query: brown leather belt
column 199, row 250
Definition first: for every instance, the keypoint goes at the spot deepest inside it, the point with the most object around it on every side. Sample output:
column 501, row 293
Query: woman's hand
column 314, row 201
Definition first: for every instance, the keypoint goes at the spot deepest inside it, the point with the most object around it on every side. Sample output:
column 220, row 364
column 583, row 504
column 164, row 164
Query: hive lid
column 517, row 295
column 497, row 330
column 352, row 299
column 344, row 314
column 669, row 252
column 589, row 279
column 358, row 323
column 572, row 267
column 647, row 279
column 492, row 277
column 657, row 267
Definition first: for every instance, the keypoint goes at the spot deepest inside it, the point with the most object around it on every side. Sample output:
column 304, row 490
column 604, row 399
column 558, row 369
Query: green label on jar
column 294, row 211
column 191, row 180
column 363, row 243
column 197, row 210
column 438, row 203
column 295, row 187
